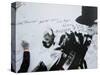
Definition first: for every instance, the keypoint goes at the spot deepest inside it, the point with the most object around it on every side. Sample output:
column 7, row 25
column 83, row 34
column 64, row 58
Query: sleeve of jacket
column 25, row 63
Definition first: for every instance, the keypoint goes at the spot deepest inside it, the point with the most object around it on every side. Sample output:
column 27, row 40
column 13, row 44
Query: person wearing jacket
column 26, row 58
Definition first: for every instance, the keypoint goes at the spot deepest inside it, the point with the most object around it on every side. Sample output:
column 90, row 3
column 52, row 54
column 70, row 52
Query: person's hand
column 25, row 45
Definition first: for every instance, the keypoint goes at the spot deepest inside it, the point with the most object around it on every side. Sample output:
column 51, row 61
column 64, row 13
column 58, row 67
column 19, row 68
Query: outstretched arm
column 26, row 58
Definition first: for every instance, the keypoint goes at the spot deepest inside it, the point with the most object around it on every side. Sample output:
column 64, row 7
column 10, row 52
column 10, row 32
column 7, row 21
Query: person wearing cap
column 80, row 47
column 48, row 40
column 47, row 43
column 88, row 18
